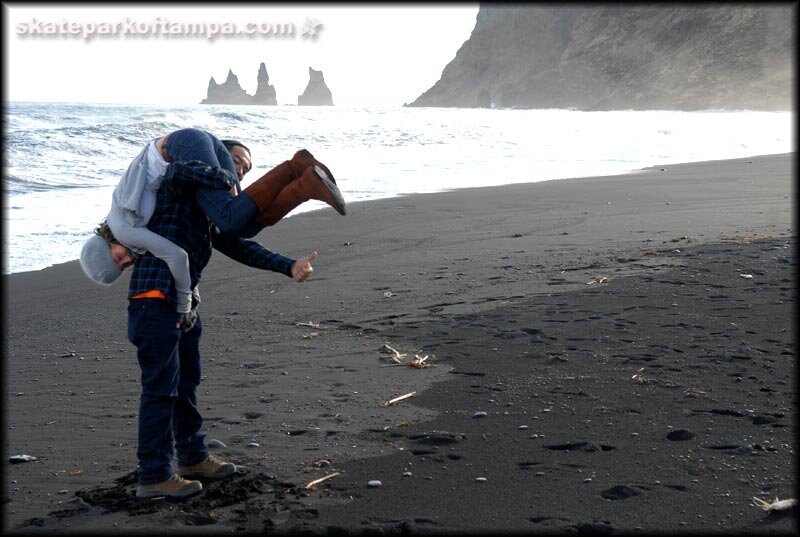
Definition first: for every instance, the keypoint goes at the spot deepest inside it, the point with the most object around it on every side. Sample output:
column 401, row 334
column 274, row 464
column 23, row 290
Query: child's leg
column 173, row 255
column 194, row 144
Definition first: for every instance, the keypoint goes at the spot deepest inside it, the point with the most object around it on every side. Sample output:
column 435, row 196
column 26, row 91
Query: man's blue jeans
column 168, row 411
column 231, row 214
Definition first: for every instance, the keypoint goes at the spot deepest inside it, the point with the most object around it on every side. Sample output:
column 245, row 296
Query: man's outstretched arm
column 255, row 255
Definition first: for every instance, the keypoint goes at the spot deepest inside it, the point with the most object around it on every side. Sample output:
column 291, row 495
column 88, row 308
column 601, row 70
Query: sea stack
column 317, row 92
column 230, row 92
column 265, row 92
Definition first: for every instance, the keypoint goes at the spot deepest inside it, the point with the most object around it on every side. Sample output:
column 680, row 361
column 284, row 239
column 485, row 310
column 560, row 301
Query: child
column 132, row 205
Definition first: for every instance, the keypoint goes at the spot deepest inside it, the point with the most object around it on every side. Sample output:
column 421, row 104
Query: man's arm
column 250, row 253
column 212, row 190
column 198, row 174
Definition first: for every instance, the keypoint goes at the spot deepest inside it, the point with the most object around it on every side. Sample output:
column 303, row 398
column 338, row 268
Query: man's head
column 103, row 258
column 241, row 156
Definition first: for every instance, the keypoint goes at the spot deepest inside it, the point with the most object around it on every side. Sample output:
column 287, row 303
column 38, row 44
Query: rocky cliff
column 230, row 92
column 624, row 56
column 316, row 92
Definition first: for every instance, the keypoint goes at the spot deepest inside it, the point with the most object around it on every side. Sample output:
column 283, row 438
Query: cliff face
column 623, row 57
column 316, row 92
column 230, row 92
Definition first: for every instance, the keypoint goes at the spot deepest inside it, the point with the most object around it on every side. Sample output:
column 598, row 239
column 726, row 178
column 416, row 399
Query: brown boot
column 305, row 156
column 314, row 184
column 264, row 189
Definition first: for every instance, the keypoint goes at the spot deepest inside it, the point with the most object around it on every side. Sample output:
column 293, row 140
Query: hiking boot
column 211, row 468
column 174, row 487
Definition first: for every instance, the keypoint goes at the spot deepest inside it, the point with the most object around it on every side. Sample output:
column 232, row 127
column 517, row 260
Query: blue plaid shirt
column 179, row 218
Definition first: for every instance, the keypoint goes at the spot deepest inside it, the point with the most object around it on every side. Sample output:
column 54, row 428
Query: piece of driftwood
column 310, row 325
column 314, row 483
column 396, row 355
column 400, row 398
column 419, row 361
column 776, row 505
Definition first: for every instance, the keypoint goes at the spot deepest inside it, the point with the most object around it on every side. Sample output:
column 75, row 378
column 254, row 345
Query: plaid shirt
column 179, row 218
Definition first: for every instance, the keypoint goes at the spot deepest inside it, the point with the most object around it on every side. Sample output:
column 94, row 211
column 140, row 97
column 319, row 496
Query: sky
column 370, row 54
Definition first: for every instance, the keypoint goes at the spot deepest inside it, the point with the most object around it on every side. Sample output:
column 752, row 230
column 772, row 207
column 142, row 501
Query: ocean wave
column 16, row 185
column 20, row 146
column 233, row 116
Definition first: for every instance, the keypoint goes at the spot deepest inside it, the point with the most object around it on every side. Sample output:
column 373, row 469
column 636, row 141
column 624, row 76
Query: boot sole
column 332, row 188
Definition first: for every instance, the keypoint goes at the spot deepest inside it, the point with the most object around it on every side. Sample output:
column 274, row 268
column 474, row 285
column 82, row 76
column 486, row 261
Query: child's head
column 103, row 258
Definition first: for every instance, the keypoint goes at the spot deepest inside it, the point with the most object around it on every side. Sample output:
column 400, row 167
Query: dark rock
column 619, row 492
column 579, row 446
column 680, row 435
column 594, row 528
column 762, row 420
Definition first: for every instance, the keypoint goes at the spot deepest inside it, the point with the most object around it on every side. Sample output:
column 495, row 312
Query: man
column 169, row 358
column 240, row 153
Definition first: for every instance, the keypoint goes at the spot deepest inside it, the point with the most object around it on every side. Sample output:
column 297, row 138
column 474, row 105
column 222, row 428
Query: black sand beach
column 606, row 355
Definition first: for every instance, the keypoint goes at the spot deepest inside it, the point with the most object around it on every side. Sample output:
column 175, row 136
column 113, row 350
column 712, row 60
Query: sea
column 61, row 161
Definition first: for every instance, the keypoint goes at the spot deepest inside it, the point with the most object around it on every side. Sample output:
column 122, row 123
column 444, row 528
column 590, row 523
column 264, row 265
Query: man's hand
column 302, row 269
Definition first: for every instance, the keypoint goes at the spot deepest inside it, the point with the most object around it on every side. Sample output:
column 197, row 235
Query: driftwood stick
column 396, row 355
column 310, row 325
column 312, row 484
column 398, row 399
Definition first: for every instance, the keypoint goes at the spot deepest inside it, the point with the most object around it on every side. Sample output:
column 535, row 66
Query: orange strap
column 155, row 293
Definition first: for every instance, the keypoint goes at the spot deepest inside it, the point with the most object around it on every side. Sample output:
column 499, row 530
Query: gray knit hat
column 97, row 262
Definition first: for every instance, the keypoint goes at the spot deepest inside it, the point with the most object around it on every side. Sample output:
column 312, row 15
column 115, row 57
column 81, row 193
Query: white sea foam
column 61, row 161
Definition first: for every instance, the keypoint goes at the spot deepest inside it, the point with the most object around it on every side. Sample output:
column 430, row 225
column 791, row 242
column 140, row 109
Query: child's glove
column 187, row 320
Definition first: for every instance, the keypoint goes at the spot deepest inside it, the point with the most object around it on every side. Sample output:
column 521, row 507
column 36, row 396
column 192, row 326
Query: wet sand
column 609, row 354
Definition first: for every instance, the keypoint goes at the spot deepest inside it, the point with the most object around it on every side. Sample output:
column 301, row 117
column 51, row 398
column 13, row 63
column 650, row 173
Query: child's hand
column 186, row 320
